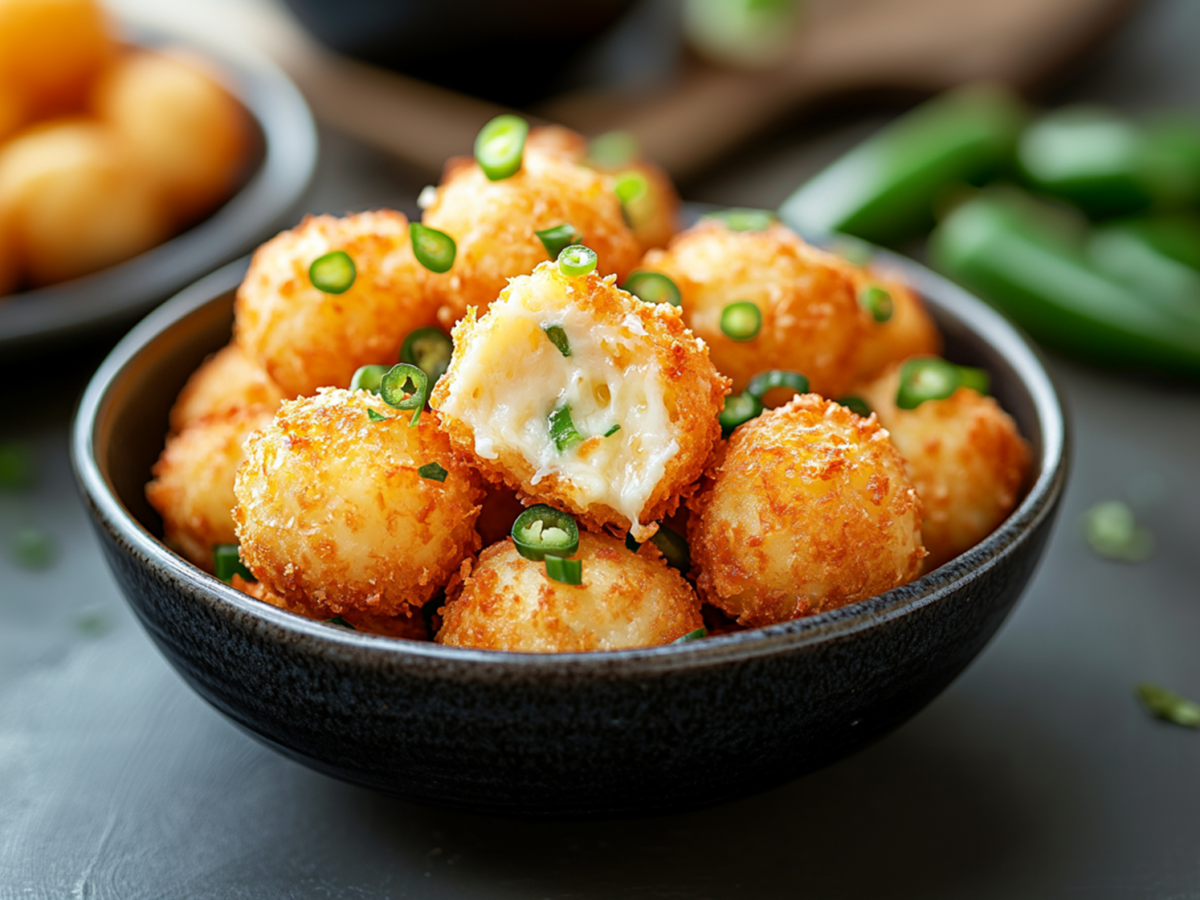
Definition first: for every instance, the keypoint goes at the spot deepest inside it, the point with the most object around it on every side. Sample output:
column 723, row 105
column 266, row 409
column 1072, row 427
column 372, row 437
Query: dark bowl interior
column 284, row 157
column 632, row 731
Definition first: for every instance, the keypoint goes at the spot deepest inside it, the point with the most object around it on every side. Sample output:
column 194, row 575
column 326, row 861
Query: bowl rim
column 263, row 203
column 378, row 651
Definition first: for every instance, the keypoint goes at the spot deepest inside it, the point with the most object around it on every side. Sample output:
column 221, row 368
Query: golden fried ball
column 493, row 225
column 626, row 600
column 225, row 382
column 76, row 203
column 808, row 510
column 558, row 139
column 909, row 332
column 51, row 50
column 409, row 628
column 333, row 514
column 632, row 366
column 186, row 132
column 307, row 339
column 964, row 456
column 811, row 322
column 192, row 487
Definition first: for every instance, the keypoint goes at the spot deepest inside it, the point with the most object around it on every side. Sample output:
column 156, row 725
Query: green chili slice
column 429, row 349
column 766, row 381
column 227, row 562
column 562, row 429
column 367, row 378
column 1169, row 706
column 674, row 548
column 743, row 219
column 612, row 431
column 577, row 260
column 558, row 337
column 739, row 409
column 926, row 379
column 394, row 389
column 338, row 620
column 653, row 287
column 564, row 571
column 856, row 405
column 741, row 321
column 559, row 237
column 376, row 417
column 877, row 301
column 696, row 635
column 612, row 149
column 500, row 146
column 976, row 379
column 630, row 187
column 433, row 472
column 333, row 273
column 1112, row 531
column 542, row 529
column 433, row 249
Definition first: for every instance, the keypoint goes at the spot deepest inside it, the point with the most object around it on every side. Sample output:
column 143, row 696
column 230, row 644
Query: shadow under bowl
column 612, row 733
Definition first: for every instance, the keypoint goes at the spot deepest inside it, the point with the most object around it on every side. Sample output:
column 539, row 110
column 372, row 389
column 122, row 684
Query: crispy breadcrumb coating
column 909, row 332
column 225, row 382
column 407, row 627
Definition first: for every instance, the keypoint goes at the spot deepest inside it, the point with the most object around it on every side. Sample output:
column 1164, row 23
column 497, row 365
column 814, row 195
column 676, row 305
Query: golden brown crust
column 909, row 332
column 227, row 381
column 509, row 603
column 406, row 627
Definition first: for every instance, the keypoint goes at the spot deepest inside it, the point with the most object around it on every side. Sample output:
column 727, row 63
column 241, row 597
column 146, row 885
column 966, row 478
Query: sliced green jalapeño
column 429, row 349
column 500, row 146
column 542, row 530
column 405, row 387
column 929, row 378
column 653, row 287
column 333, row 273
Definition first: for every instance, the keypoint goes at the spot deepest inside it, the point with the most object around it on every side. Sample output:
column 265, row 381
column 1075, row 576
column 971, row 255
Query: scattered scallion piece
column 976, row 379
column 333, row 273
column 929, row 378
column 367, row 378
column 500, row 146
column 653, row 287
column 577, row 260
column 1169, row 706
column 394, row 389
column 429, row 349
column 433, row 249
column 227, row 562
column 376, row 417
column 1112, row 532
column 856, row 405
column 612, row 149
column 696, row 635
column 562, row 428
column 564, row 571
column 876, row 301
column 338, row 620
column 612, row 431
column 559, row 237
column 741, row 321
column 630, row 187
column 766, row 381
column 17, row 466
column 542, row 529
column 674, row 548
column 433, row 472
column 742, row 219
column 558, row 337
column 739, row 409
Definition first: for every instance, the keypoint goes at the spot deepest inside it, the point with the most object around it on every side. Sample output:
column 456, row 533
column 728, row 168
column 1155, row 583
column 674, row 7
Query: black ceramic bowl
column 623, row 732
column 278, row 174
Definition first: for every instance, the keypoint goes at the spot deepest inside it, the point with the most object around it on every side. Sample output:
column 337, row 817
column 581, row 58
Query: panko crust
column 227, row 381
column 626, row 600
column 405, row 627
column 909, row 332
column 305, row 338
column 811, row 321
column 695, row 390
column 332, row 513
column 807, row 509
column 493, row 225
column 192, row 485
column 965, row 458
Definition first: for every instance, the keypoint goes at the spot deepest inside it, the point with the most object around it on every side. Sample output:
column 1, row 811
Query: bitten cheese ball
column 225, row 382
column 406, row 627
column 493, row 225
column 50, row 50
column 809, row 509
column 333, row 514
column 192, row 487
column 614, row 422
column 909, row 332
column 965, row 458
column 811, row 322
column 305, row 338
column 626, row 600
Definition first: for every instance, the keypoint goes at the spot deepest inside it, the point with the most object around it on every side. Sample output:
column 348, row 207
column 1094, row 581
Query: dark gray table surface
column 1035, row 775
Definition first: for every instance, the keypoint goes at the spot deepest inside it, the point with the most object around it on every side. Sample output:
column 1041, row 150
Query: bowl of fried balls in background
column 360, row 629
column 130, row 164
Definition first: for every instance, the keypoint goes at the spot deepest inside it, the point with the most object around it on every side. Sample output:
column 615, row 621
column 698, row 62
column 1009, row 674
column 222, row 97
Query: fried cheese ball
column 493, row 225
column 626, row 600
column 809, row 509
column 186, row 132
column 616, row 431
column 225, row 382
column 51, row 50
column 409, row 628
column 965, row 458
column 192, row 488
column 909, row 332
column 333, row 514
column 305, row 338
column 811, row 321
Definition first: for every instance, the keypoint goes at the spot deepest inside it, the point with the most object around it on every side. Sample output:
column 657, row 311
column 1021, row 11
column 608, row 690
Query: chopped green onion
column 856, row 405
column 577, row 260
column 558, row 337
column 612, row 431
column 433, row 472
column 1112, row 531
column 653, row 287
column 976, row 379
column 696, row 635
column 542, row 529
column 562, row 428
column 500, row 146
column 375, row 416
column 741, row 219
column 393, row 388
column 741, row 321
column 17, row 466
column 877, row 301
column 564, row 571
column 338, row 620
column 739, row 409
column 333, row 273
column 630, row 186
column 924, row 379
column 766, row 381
column 1169, row 705
column 433, row 249
column 674, row 548
column 32, row 548
column 367, row 378
column 227, row 562
column 560, row 236
column 429, row 349
column 612, row 149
